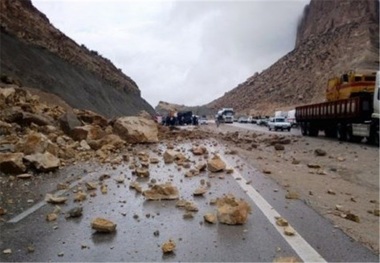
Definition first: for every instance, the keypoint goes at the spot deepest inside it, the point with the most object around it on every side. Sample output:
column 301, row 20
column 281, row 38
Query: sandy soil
column 347, row 181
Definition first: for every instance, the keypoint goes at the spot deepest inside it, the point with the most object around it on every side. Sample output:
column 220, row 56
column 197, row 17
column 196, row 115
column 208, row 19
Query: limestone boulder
column 90, row 117
column 12, row 163
column 136, row 129
column 216, row 164
column 43, row 162
column 170, row 155
column 110, row 139
column 36, row 142
column 87, row 132
column 68, row 121
column 232, row 211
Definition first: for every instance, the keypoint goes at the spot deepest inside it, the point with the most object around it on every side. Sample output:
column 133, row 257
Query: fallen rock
column 232, row 211
column 74, row 212
column 279, row 147
column 136, row 129
column 170, row 155
column 198, row 150
column 7, row 251
column 200, row 191
column 292, row 195
column 168, row 246
column 135, row 185
column 51, row 217
column 162, row 192
column 289, row 231
column 120, row 179
column 281, row 221
column 11, row 163
column 319, row 152
column 80, row 196
column 43, row 162
column 24, row 176
column 210, row 218
column 331, row 192
column 352, row 217
column 142, row 172
column 91, row 185
column 103, row 225
column 287, row 260
column 216, row 164
column 55, row 199
column 313, row 165
column 36, row 142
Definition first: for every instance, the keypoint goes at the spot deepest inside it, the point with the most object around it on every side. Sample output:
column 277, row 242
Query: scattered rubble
column 74, row 212
column 210, row 218
column 55, row 199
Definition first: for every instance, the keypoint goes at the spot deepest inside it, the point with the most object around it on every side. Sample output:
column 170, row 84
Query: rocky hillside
column 333, row 37
column 36, row 54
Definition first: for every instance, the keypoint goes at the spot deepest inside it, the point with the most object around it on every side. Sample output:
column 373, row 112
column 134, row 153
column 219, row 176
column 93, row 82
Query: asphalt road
column 259, row 240
column 255, row 127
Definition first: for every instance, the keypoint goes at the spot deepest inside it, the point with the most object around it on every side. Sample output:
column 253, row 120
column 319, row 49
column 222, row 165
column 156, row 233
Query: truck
column 351, row 110
column 227, row 115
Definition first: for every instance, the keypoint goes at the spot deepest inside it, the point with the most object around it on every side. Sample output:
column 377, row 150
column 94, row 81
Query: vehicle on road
column 243, row 119
column 278, row 123
column 262, row 122
column 351, row 112
column 227, row 115
column 202, row 120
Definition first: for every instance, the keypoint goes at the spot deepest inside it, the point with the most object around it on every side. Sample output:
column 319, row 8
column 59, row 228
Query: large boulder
column 110, row 139
column 36, row 142
column 43, row 162
column 136, row 129
column 91, row 117
column 11, row 163
column 68, row 122
column 87, row 132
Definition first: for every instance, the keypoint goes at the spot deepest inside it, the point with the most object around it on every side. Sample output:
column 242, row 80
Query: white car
column 202, row 121
column 278, row 123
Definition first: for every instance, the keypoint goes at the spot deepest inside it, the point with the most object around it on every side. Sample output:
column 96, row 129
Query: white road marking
column 40, row 204
column 304, row 250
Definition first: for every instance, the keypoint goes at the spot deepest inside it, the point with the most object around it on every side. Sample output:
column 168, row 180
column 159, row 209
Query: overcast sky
column 183, row 52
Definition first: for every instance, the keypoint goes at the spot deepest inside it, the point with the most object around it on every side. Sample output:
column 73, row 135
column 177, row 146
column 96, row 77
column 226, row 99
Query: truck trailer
column 352, row 118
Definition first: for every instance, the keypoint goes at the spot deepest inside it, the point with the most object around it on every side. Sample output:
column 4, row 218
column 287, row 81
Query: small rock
column 74, row 212
column 291, row 195
column 286, row 260
column 319, row 152
column 352, row 217
column 295, row 161
column 289, row 231
column 168, row 246
column 61, row 254
column 55, row 199
column 279, row 147
column 7, row 251
column 331, row 192
column 103, row 225
column 24, row 176
column 156, row 233
column 281, row 221
column 210, row 218
column 80, row 197
column 313, row 165
column 103, row 189
column 200, row 191
column 30, row 249
column 188, row 215
column 51, row 217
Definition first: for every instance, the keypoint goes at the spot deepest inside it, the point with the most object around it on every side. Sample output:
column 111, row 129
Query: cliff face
column 39, row 55
column 333, row 37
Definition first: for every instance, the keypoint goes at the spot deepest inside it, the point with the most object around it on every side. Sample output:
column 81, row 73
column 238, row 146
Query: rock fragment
column 232, row 211
column 55, row 199
column 319, row 152
column 74, row 212
column 281, row 221
column 210, row 218
column 162, row 192
column 216, row 164
column 103, row 225
column 168, row 247
column 289, row 231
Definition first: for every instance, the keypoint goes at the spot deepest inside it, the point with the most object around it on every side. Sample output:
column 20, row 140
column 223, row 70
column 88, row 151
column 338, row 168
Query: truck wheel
column 341, row 133
column 304, row 129
column 330, row 132
column 288, row 129
column 352, row 138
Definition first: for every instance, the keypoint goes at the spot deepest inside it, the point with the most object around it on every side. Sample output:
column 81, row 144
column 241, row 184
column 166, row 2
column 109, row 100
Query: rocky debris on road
column 187, row 205
column 168, row 247
column 135, row 185
column 162, row 192
column 51, row 217
column 24, row 176
column 210, row 218
column 103, row 225
column 289, row 231
column 320, row 152
column 281, row 221
column 74, row 212
column 12, row 163
column 279, row 147
column 55, row 199
column 292, row 195
column 43, row 162
column 199, row 150
column 287, row 260
column 136, row 129
column 200, row 191
column 80, row 196
column 7, row 251
column 216, row 164
column 232, row 211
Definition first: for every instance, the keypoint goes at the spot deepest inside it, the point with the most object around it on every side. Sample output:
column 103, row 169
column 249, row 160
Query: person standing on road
column 219, row 119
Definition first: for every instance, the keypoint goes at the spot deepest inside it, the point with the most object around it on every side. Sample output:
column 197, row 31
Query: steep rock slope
column 333, row 37
column 40, row 56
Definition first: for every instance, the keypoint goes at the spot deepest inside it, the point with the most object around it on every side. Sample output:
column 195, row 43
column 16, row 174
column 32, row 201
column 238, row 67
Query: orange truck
column 351, row 110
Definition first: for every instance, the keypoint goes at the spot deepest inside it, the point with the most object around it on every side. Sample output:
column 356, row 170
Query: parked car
column 262, row 122
column 202, row 121
column 243, row 119
column 278, row 123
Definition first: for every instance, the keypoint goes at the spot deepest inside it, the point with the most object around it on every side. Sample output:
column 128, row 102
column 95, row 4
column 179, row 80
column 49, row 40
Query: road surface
column 259, row 240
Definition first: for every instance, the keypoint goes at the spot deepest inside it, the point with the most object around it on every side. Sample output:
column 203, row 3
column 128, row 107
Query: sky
column 182, row 52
